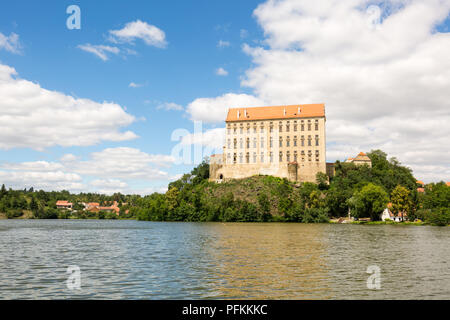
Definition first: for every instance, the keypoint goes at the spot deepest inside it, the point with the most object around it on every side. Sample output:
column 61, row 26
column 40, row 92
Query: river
column 158, row 260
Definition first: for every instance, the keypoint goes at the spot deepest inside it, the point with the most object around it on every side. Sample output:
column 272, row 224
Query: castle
column 282, row 141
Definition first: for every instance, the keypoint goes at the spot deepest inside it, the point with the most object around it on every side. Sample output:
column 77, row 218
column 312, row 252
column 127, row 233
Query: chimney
column 238, row 114
column 245, row 113
column 298, row 110
column 284, row 111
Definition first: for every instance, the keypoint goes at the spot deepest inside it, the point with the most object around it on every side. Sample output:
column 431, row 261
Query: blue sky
column 285, row 52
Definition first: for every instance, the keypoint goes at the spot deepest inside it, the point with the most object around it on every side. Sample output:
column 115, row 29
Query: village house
column 64, row 204
column 360, row 159
column 389, row 215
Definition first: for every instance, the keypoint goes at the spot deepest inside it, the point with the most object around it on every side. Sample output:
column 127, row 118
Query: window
column 254, row 128
column 295, row 141
column 248, row 143
column 281, row 141
column 241, row 130
column 317, row 140
column 280, row 127
column 247, row 158
column 317, row 155
column 302, row 126
column 309, row 125
column 262, row 127
column 295, row 126
column 240, row 157
column 229, row 158
column 287, row 126
column 317, row 125
column 303, row 141
column 287, row 142
column 271, row 142
column 295, row 156
column 235, row 143
column 241, row 144
column 288, row 156
column 271, row 157
column 262, row 157
column 229, row 131
column 309, row 141
column 229, row 143
column 262, row 142
column 234, row 158
column 254, row 142
column 254, row 157
column 281, row 157
column 271, row 128
column 234, row 130
column 248, row 129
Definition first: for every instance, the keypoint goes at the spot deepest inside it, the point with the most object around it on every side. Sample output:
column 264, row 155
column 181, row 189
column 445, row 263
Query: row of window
column 287, row 127
column 281, row 157
column 287, row 142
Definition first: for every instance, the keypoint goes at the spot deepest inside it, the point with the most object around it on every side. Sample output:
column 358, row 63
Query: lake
column 159, row 260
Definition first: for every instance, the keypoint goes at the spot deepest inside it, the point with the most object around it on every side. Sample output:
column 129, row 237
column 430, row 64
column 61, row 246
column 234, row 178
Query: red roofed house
column 64, row 204
column 360, row 159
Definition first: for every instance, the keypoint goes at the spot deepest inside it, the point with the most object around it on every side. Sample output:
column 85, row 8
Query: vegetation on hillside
column 360, row 190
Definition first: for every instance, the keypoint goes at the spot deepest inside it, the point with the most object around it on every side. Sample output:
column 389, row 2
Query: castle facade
column 282, row 141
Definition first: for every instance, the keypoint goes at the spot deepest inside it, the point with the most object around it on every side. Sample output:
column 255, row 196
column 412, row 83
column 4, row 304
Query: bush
column 13, row 213
column 438, row 217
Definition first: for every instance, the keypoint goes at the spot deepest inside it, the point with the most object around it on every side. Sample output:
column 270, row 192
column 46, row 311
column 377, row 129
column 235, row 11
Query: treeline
column 360, row 191
column 29, row 203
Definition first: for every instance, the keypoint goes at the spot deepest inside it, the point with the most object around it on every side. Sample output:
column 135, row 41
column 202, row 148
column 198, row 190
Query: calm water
column 148, row 260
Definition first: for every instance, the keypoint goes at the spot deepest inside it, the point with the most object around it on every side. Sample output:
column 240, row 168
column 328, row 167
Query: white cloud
column 382, row 74
column 223, row 44
column 34, row 117
column 10, row 43
column 169, row 106
column 243, row 33
column 99, row 50
column 135, row 85
column 213, row 139
column 111, row 170
column 215, row 109
column 54, row 180
column 221, row 72
column 123, row 163
column 151, row 35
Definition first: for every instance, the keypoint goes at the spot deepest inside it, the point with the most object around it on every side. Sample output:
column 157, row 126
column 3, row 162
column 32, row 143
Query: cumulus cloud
column 382, row 72
column 52, row 180
column 111, row 170
column 101, row 51
column 34, row 117
column 221, row 72
column 168, row 106
column 213, row 139
column 215, row 109
column 10, row 43
column 151, row 35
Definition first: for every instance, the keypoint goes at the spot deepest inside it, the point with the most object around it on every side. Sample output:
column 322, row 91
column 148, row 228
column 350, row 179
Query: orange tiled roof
column 448, row 184
column 420, row 190
column 62, row 203
column 420, row 182
column 276, row 112
column 361, row 154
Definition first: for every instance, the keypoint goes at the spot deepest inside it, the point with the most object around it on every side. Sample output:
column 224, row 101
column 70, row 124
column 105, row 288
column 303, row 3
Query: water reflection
column 147, row 260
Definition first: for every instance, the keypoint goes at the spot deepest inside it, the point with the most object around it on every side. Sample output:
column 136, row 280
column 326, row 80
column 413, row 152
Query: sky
column 126, row 96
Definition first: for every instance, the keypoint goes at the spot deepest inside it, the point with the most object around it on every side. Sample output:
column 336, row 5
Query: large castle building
column 282, row 141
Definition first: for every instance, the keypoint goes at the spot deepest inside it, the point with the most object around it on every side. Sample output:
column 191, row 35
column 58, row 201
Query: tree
column 401, row 203
column 370, row 201
column 322, row 180
column 3, row 191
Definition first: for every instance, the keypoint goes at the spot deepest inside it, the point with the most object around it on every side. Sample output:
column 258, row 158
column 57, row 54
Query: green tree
column 401, row 202
column 370, row 201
